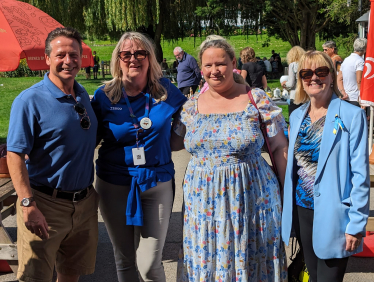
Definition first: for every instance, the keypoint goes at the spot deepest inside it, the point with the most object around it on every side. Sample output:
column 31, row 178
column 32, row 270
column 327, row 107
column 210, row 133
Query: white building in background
column 363, row 24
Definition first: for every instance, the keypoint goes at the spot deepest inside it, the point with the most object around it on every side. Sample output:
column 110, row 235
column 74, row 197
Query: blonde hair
column 224, row 45
column 248, row 55
column 320, row 59
column 210, row 38
column 113, row 88
column 295, row 54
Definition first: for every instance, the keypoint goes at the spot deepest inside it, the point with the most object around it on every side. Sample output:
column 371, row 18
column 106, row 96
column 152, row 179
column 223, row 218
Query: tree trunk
column 155, row 35
column 307, row 31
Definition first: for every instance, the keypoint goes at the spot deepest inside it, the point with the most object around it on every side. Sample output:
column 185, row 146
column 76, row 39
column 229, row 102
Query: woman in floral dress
column 232, row 197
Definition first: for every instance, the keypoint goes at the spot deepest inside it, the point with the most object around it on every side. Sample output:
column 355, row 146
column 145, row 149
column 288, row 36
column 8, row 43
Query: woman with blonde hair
column 232, row 197
column 293, row 57
column 134, row 167
column 327, row 183
column 252, row 72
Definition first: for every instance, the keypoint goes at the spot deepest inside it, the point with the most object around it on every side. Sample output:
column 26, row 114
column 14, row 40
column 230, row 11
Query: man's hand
column 35, row 221
column 352, row 241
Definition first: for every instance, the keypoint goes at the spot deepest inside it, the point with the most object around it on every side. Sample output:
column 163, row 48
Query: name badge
column 138, row 156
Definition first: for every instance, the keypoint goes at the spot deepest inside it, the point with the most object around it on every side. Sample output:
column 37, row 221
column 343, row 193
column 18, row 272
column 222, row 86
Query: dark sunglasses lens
column 306, row 74
column 125, row 56
column 79, row 108
column 322, row 71
column 85, row 123
column 140, row 55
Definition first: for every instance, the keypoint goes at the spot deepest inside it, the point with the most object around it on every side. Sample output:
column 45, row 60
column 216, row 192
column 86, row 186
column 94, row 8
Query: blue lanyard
column 132, row 115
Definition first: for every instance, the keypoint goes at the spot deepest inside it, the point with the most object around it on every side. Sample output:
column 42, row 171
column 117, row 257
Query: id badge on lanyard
column 138, row 154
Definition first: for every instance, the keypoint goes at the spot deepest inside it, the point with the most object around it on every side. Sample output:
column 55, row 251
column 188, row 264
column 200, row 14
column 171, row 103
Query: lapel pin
column 338, row 124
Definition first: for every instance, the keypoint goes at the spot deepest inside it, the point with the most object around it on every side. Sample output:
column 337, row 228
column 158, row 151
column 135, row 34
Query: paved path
column 359, row 269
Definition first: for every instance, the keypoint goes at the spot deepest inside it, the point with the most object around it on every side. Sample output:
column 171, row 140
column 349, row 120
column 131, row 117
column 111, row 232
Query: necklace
column 312, row 111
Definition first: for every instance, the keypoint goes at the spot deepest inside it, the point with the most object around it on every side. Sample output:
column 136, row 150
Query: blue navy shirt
column 115, row 162
column 188, row 72
column 44, row 125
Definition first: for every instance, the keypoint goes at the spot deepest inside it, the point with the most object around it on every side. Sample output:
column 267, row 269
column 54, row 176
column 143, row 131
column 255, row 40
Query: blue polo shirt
column 44, row 125
column 188, row 72
column 115, row 162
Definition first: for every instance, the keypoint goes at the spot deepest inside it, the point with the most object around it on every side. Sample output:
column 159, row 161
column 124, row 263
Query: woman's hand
column 352, row 241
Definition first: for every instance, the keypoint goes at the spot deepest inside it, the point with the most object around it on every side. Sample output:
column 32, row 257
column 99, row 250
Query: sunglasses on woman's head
column 320, row 72
column 81, row 110
column 139, row 55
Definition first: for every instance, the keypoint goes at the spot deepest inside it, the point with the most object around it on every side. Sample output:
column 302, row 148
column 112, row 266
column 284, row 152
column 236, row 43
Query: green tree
column 298, row 21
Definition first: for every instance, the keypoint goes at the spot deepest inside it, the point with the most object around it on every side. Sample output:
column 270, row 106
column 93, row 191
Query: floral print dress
column 232, row 204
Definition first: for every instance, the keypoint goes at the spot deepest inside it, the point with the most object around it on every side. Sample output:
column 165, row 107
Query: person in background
column 280, row 66
column 327, row 183
column 134, row 168
column 293, row 57
column 267, row 65
column 252, row 72
column 96, row 64
column 329, row 47
column 232, row 197
column 53, row 124
column 164, row 64
column 188, row 75
column 88, row 72
column 262, row 64
column 274, row 67
column 349, row 77
column 273, row 54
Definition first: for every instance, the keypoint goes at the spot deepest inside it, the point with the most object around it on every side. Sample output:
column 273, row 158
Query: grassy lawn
column 11, row 87
column 190, row 45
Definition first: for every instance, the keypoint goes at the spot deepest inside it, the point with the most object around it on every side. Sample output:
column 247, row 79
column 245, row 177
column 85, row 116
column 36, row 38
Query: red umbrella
column 23, row 31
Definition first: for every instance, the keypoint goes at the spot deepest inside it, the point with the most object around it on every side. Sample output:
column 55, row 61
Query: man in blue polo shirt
column 53, row 124
column 189, row 74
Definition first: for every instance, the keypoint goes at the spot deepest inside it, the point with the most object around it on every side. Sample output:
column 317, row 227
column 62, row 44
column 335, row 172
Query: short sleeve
column 185, row 118
column 360, row 65
column 271, row 114
column 96, row 106
column 22, row 122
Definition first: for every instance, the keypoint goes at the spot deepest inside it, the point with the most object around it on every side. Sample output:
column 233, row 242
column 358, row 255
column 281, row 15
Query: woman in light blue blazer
column 326, row 191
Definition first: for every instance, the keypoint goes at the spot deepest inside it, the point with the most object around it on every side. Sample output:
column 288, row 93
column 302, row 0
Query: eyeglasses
column 320, row 72
column 325, row 49
column 139, row 55
column 81, row 110
column 176, row 56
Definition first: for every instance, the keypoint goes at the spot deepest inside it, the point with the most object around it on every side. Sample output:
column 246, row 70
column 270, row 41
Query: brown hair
column 68, row 32
column 248, row 55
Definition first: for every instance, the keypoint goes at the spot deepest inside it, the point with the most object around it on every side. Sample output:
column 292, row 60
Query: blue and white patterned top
column 306, row 152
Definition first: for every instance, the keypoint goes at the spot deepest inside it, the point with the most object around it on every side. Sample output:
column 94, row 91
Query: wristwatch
column 26, row 202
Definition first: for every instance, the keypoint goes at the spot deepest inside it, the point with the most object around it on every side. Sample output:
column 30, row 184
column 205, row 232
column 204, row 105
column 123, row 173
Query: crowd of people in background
column 238, row 210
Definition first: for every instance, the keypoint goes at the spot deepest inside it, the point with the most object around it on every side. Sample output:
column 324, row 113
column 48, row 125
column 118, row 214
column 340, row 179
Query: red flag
column 367, row 82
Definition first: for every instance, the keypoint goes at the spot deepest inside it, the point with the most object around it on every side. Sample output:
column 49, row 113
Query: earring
column 332, row 85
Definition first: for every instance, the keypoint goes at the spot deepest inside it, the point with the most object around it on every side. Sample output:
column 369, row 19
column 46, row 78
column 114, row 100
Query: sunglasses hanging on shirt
column 81, row 110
